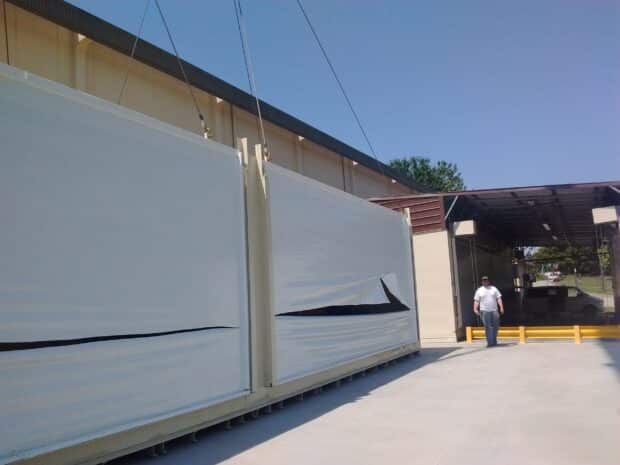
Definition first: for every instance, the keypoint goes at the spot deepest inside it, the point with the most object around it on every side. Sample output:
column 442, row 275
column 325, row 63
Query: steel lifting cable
column 6, row 33
column 342, row 89
column 203, row 123
column 133, row 51
column 245, row 48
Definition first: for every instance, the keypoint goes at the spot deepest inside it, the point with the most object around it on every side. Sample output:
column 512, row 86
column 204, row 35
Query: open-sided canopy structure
column 532, row 215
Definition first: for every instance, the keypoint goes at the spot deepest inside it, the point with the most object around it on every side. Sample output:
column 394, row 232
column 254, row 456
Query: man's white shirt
column 487, row 296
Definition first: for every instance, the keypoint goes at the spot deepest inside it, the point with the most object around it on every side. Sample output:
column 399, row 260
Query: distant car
column 553, row 276
column 561, row 304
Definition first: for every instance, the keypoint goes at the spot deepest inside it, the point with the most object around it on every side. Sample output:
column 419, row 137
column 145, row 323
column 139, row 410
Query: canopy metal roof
column 518, row 215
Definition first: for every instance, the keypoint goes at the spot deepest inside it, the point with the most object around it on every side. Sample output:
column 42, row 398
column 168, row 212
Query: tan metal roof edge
column 75, row 19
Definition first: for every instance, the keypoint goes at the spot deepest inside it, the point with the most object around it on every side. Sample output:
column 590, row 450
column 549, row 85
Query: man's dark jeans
column 491, row 326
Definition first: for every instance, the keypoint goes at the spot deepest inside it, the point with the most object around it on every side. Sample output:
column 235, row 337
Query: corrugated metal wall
column 426, row 212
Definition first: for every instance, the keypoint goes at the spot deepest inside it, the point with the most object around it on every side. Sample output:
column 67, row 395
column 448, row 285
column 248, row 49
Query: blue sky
column 514, row 92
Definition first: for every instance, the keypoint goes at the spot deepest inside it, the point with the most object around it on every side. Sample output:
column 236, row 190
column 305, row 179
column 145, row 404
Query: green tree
column 441, row 176
column 568, row 258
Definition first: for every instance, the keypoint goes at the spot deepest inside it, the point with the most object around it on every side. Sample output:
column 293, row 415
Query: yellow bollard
column 577, row 331
column 469, row 334
column 521, row 334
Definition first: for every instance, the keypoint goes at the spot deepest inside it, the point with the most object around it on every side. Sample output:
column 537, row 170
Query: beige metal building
column 102, row 201
column 63, row 43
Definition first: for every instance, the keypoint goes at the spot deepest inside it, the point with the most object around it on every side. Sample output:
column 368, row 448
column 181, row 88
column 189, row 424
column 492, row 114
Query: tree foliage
column 566, row 259
column 441, row 176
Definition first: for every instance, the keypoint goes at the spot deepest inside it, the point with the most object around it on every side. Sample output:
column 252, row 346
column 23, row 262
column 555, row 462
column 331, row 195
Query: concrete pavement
column 542, row 403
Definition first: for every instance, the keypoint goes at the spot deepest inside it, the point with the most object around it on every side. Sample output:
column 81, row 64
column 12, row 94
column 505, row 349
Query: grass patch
column 590, row 284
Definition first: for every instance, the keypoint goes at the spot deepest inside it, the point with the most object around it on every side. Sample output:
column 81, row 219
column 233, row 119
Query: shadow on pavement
column 216, row 444
column 612, row 348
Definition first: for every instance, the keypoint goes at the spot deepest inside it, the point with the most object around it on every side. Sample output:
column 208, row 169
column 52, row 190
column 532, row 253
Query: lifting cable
column 245, row 48
column 133, row 51
column 203, row 124
column 6, row 32
column 205, row 130
column 339, row 82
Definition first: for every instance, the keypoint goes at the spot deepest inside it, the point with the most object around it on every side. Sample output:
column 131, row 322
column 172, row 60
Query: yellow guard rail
column 522, row 333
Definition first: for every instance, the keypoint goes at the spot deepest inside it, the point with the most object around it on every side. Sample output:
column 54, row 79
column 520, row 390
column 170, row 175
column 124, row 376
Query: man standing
column 486, row 301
